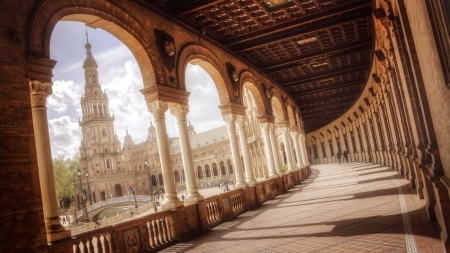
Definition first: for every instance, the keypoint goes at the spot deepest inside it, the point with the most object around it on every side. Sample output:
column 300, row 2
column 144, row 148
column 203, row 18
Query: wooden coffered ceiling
column 319, row 51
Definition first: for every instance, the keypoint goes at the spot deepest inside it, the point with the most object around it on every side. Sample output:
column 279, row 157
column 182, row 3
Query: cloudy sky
column 121, row 78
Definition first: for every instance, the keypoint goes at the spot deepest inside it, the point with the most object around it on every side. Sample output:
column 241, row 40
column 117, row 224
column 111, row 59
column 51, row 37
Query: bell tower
column 100, row 148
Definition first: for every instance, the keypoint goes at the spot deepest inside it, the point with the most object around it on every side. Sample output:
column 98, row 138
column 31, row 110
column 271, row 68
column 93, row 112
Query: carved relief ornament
column 39, row 92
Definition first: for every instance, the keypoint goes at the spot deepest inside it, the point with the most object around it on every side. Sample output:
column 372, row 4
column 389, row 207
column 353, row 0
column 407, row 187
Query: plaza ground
column 352, row 207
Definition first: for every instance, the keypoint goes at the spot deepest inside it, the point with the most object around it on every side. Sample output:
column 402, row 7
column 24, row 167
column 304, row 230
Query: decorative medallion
column 132, row 241
column 276, row 3
column 234, row 78
column 166, row 47
column 226, row 205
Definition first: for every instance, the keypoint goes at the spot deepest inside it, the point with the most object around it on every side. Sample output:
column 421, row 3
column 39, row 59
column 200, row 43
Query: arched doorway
column 222, row 168
column 154, row 180
column 160, row 178
column 199, row 172
column 176, row 175
column 118, row 190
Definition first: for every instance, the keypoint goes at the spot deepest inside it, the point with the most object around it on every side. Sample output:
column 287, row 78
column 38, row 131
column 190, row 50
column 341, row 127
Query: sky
column 120, row 77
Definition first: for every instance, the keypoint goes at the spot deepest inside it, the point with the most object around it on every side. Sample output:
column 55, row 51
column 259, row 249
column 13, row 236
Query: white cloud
column 121, row 78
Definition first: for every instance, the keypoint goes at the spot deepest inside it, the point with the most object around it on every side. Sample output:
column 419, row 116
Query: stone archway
column 95, row 14
column 118, row 190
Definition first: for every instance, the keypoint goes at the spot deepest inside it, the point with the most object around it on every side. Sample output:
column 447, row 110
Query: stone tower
column 100, row 147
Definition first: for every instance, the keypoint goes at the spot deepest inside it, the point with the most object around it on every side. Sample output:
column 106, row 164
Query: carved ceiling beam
column 333, row 87
column 328, row 99
column 191, row 6
column 333, row 52
column 307, row 28
column 325, row 107
column 329, row 74
column 282, row 28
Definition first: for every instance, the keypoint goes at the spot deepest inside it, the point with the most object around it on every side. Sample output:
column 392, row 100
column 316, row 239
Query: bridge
column 98, row 207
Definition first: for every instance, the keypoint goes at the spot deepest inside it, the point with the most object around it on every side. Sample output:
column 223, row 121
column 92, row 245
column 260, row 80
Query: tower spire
column 87, row 37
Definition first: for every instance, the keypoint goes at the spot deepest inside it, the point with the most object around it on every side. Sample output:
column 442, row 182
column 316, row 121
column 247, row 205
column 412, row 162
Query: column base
column 173, row 205
column 251, row 182
column 274, row 176
column 241, row 185
column 53, row 237
column 193, row 200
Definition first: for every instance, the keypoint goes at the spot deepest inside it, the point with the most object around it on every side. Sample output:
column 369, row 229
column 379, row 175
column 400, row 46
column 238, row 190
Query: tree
column 64, row 170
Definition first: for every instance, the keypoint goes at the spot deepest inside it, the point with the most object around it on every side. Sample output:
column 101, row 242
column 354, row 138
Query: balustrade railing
column 129, row 198
column 152, row 232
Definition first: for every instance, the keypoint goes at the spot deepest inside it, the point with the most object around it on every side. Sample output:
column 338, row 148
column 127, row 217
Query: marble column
column 38, row 93
column 158, row 109
column 180, row 111
column 230, row 119
column 304, row 153
column 287, row 146
column 273, row 142
column 269, row 152
column 297, row 150
column 250, row 178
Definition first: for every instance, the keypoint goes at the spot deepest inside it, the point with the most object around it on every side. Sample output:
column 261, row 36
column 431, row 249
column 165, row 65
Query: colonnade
column 390, row 124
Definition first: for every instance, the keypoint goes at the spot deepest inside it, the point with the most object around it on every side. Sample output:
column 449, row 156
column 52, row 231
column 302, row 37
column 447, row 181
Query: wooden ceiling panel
column 320, row 51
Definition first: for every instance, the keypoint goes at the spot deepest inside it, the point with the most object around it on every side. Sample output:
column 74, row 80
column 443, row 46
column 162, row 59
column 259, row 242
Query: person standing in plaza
column 338, row 156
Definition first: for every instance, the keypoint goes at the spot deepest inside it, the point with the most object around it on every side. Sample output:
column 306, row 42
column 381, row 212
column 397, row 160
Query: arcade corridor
column 353, row 207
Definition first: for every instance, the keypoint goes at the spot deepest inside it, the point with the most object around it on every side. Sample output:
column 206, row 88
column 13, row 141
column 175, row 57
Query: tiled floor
column 353, row 207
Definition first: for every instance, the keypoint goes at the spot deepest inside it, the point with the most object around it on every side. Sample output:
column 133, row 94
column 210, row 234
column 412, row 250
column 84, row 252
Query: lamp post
column 89, row 188
column 83, row 199
column 64, row 199
column 132, row 192
column 149, row 173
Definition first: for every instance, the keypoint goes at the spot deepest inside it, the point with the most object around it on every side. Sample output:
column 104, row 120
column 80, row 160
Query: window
column 330, row 143
column 108, row 164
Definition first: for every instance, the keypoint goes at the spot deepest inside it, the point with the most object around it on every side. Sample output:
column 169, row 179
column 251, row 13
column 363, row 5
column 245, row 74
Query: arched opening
column 230, row 166
column 160, row 179
column 199, row 172
column 176, row 175
column 153, row 178
column 215, row 172
column 222, row 168
column 118, row 190
column 207, row 171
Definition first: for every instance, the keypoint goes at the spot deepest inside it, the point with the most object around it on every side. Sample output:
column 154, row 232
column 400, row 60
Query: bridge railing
column 140, row 198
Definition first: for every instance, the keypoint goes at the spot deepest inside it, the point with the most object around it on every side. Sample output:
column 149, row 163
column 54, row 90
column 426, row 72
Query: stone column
column 287, row 146
column 38, row 94
column 180, row 111
column 276, row 158
column 297, row 150
column 250, row 178
column 158, row 109
column 230, row 119
column 304, row 153
column 269, row 152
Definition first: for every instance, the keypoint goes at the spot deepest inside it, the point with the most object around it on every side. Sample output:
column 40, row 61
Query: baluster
column 99, row 244
column 210, row 216
column 216, row 209
column 76, row 248
column 163, row 229
column 232, row 202
column 150, row 238
column 155, row 233
column 90, row 246
column 158, row 226
column 84, row 246
column 169, row 228
column 108, row 244
column 241, row 202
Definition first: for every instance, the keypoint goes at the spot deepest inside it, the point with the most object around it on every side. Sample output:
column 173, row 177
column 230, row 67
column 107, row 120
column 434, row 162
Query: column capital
column 158, row 109
column 179, row 111
column 264, row 126
column 240, row 121
column 283, row 123
column 39, row 92
column 266, row 118
column 230, row 119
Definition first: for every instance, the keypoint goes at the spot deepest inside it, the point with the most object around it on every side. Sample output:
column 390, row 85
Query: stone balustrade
column 152, row 232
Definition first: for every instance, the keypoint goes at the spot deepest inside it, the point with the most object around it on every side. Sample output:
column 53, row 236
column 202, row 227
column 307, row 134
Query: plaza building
column 110, row 169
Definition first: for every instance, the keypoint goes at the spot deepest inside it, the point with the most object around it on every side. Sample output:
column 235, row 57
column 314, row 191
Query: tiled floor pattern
column 354, row 207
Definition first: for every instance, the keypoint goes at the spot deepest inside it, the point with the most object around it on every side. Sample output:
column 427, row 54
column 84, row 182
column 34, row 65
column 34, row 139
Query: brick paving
column 353, row 207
